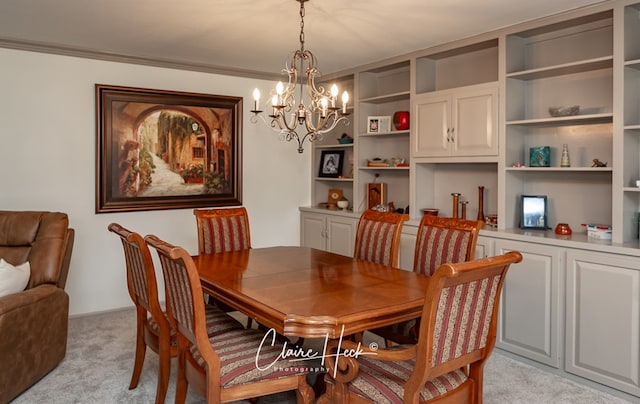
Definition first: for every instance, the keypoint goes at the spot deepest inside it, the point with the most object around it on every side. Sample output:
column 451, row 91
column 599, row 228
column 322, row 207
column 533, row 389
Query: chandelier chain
column 302, row 25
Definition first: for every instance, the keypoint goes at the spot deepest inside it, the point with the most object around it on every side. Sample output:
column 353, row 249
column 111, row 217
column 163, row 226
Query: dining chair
column 226, row 366
column 153, row 329
column 457, row 335
column 439, row 240
column 378, row 237
column 222, row 230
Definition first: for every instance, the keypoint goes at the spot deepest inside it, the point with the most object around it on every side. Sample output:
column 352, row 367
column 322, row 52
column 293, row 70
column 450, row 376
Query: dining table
column 311, row 293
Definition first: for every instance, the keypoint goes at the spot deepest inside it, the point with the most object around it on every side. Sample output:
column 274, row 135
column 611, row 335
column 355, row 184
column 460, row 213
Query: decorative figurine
column 598, row 163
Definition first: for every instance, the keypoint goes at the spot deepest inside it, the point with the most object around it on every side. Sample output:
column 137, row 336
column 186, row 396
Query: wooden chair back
column 443, row 240
column 154, row 332
column 378, row 237
column 222, row 230
column 459, row 321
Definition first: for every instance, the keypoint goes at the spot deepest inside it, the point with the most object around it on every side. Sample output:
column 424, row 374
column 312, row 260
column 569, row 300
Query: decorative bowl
column 430, row 211
column 564, row 111
column 345, row 140
column 343, row 204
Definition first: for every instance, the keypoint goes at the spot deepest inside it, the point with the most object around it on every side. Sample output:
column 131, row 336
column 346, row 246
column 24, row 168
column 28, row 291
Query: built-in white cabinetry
column 631, row 123
column 603, row 319
column 334, row 233
column 460, row 122
column 530, row 306
column 478, row 106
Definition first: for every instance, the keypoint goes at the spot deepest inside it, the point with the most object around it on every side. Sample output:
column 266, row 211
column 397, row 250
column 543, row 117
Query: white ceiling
column 255, row 36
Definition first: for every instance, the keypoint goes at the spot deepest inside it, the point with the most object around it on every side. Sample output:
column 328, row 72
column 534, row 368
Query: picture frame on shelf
column 533, row 210
column 378, row 124
column 331, row 162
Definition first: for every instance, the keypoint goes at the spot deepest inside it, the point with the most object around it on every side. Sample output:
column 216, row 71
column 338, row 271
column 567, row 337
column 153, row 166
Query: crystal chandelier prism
column 320, row 115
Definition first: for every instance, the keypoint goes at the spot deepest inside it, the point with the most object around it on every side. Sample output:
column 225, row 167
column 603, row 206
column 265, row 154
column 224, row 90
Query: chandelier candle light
column 319, row 117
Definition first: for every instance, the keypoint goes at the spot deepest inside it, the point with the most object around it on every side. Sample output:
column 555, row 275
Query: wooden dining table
column 310, row 293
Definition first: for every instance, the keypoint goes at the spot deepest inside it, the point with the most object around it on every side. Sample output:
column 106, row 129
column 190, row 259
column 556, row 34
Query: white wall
column 47, row 162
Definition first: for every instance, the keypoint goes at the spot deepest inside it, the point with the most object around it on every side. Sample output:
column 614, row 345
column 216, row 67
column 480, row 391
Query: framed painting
column 331, row 163
column 159, row 149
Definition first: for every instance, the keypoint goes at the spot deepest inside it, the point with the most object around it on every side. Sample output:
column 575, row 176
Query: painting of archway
column 160, row 149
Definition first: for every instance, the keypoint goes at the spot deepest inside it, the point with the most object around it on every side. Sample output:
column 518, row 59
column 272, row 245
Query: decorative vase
column 401, row 120
column 480, row 204
column 563, row 229
column 565, row 161
column 456, row 200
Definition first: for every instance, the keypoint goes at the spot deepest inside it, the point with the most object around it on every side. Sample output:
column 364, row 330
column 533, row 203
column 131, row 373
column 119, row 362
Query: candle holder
column 456, row 200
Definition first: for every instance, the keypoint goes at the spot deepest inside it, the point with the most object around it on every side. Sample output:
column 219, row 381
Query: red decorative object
column 563, row 229
column 401, row 120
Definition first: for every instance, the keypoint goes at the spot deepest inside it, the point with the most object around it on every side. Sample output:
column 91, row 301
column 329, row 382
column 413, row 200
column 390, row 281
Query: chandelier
column 319, row 116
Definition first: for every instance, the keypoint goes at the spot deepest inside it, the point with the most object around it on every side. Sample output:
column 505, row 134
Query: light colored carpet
column 99, row 361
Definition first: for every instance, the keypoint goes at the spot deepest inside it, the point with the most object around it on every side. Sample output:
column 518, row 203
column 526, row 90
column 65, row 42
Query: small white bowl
column 343, row 204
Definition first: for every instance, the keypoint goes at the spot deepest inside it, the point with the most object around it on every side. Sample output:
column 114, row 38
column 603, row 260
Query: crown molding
column 41, row 47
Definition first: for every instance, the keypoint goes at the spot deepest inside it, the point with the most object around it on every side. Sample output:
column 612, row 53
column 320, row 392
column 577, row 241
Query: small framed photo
column 534, row 212
column 378, row 124
column 331, row 163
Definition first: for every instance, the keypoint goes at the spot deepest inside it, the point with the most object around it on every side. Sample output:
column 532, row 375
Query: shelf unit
column 321, row 185
column 383, row 89
column 631, row 122
column 455, row 132
column 569, row 62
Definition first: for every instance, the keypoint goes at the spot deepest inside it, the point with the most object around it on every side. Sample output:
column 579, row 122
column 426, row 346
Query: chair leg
column 181, row 383
column 141, row 347
column 249, row 322
column 164, row 349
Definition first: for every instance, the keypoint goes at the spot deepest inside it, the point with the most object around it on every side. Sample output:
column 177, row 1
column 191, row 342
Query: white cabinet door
column 407, row 248
column 461, row 122
column 341, row 234
column 484, row 247
column 475, row 122
column 529, row 323
column 313, row 230
column 603, row 319
column 432, row 126
column 328, row 232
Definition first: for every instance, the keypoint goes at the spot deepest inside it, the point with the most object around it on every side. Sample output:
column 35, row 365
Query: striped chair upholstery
column 220, row 362
column 378, row 237
column 459, row 324
column 440, row 240
column 222, row 230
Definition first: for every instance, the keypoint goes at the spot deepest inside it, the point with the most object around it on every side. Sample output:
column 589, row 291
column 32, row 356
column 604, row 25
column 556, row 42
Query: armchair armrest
column 347, row 365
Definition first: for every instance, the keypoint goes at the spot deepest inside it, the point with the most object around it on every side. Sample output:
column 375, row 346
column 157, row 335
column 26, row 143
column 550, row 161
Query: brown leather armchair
column 34, row 323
